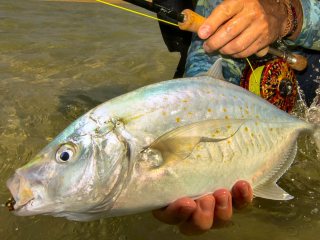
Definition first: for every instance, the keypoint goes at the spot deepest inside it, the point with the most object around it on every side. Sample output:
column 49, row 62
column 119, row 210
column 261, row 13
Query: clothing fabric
column 310, row 32
column 199, row 62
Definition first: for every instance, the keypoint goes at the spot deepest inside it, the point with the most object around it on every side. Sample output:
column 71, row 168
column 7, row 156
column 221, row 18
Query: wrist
column 292, row 25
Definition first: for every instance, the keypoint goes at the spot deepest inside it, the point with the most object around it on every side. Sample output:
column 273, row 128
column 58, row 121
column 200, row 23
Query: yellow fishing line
column 254, row 75
column 136, row 12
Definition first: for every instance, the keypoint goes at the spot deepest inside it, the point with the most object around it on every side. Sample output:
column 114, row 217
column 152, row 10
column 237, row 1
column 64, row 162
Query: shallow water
column 58, row 60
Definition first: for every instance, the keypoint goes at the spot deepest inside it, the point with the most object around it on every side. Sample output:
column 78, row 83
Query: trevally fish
column 147, row 148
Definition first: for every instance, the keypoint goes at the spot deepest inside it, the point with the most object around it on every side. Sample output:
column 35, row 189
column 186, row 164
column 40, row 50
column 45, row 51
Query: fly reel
column 274, row 81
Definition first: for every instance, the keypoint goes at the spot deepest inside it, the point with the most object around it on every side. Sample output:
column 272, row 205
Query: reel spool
column 274, row 81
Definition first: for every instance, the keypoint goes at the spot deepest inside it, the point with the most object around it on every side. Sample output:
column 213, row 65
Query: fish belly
column 255, row 153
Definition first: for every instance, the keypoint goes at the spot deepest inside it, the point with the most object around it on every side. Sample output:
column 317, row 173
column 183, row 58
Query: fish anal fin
column 271, row 191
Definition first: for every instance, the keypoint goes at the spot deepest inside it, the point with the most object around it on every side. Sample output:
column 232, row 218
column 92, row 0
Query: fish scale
column 184, row 137
column 232, row 163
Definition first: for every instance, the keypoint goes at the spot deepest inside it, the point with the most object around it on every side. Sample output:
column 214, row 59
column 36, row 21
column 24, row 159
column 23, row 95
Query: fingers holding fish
column 177, row 212
column 198, row 216
column 242, row 194
column 223, row 208
column 192, row 216
column 202, row 218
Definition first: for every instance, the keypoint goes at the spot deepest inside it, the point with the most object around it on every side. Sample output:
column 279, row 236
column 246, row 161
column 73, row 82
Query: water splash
column 301, row 109
column 313, row 112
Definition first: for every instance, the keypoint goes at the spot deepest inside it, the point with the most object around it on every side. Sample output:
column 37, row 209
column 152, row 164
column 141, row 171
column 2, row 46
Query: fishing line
column 136, row 12
column 254, row 74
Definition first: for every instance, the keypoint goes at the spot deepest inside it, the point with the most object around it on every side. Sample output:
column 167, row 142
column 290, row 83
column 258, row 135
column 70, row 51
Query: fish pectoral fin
column 271, row 191
column 180, row 142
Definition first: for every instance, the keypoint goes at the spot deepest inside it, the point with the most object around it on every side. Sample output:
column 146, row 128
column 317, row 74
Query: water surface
column 58, row 60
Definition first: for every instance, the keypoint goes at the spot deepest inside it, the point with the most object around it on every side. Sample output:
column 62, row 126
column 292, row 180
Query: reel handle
column 193, row 21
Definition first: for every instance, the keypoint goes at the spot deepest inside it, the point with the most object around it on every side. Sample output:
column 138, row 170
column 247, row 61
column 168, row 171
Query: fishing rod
column 189, row 20
column 159, row 9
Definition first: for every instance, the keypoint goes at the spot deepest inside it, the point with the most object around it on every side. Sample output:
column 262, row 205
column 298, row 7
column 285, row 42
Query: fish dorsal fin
column 179, row 143
column 270, row 189
column 216, row 70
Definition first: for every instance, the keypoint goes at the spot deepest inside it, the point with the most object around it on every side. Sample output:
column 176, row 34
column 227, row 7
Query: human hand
column 200, row 215
column 241, row 28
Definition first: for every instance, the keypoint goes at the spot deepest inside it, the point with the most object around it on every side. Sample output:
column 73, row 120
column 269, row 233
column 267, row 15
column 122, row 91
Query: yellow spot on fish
column 198, row 156
column 178, row 119
column 199, row 147
column 217, row 131
column 246, row 129
column 256, row 123
column 226, row 117
column 190, row 113
column 184, row 108
column 246, row 111
column 164, row 113
column 228, row 126
column 229, row 141
column 224, row 109
column 252, row 135
column 209, row 110
column 270, row 129
column 257, row 116
column 185, row 100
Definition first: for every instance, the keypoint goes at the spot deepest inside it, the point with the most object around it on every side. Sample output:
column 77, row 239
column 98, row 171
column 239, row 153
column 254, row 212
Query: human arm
column 241, row 28
column 200, row 215
column 309, row 34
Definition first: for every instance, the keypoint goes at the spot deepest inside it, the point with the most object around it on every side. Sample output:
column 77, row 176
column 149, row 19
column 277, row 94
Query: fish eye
column 65, row 152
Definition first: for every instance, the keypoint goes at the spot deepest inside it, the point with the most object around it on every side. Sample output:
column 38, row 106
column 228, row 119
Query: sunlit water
column 58, row 60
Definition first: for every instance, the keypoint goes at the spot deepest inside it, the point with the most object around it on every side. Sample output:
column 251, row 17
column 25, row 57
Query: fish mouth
column 10, row 204
column 21, row 192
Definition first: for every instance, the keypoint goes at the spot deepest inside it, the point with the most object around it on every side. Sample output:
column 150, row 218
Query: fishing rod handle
column 193, row 21
column 296, row 61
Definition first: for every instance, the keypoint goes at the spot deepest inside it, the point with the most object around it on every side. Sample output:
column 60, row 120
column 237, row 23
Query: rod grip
column 300, row 62
column 193, row 21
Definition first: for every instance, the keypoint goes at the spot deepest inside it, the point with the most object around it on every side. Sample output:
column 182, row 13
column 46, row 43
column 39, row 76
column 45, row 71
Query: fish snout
column 20, row 190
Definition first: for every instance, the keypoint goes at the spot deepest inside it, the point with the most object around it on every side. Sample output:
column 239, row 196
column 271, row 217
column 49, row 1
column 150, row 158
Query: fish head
column 78, row 175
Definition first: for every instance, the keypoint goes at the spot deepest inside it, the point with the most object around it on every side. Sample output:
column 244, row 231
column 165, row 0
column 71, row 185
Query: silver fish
column 147, row 148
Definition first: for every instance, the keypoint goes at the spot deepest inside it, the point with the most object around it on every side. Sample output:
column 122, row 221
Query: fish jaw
column 29, row 197
column 21, row 191
column 81, row 189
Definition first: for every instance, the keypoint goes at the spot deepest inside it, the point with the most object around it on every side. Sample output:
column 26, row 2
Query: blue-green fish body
column 147, row 148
